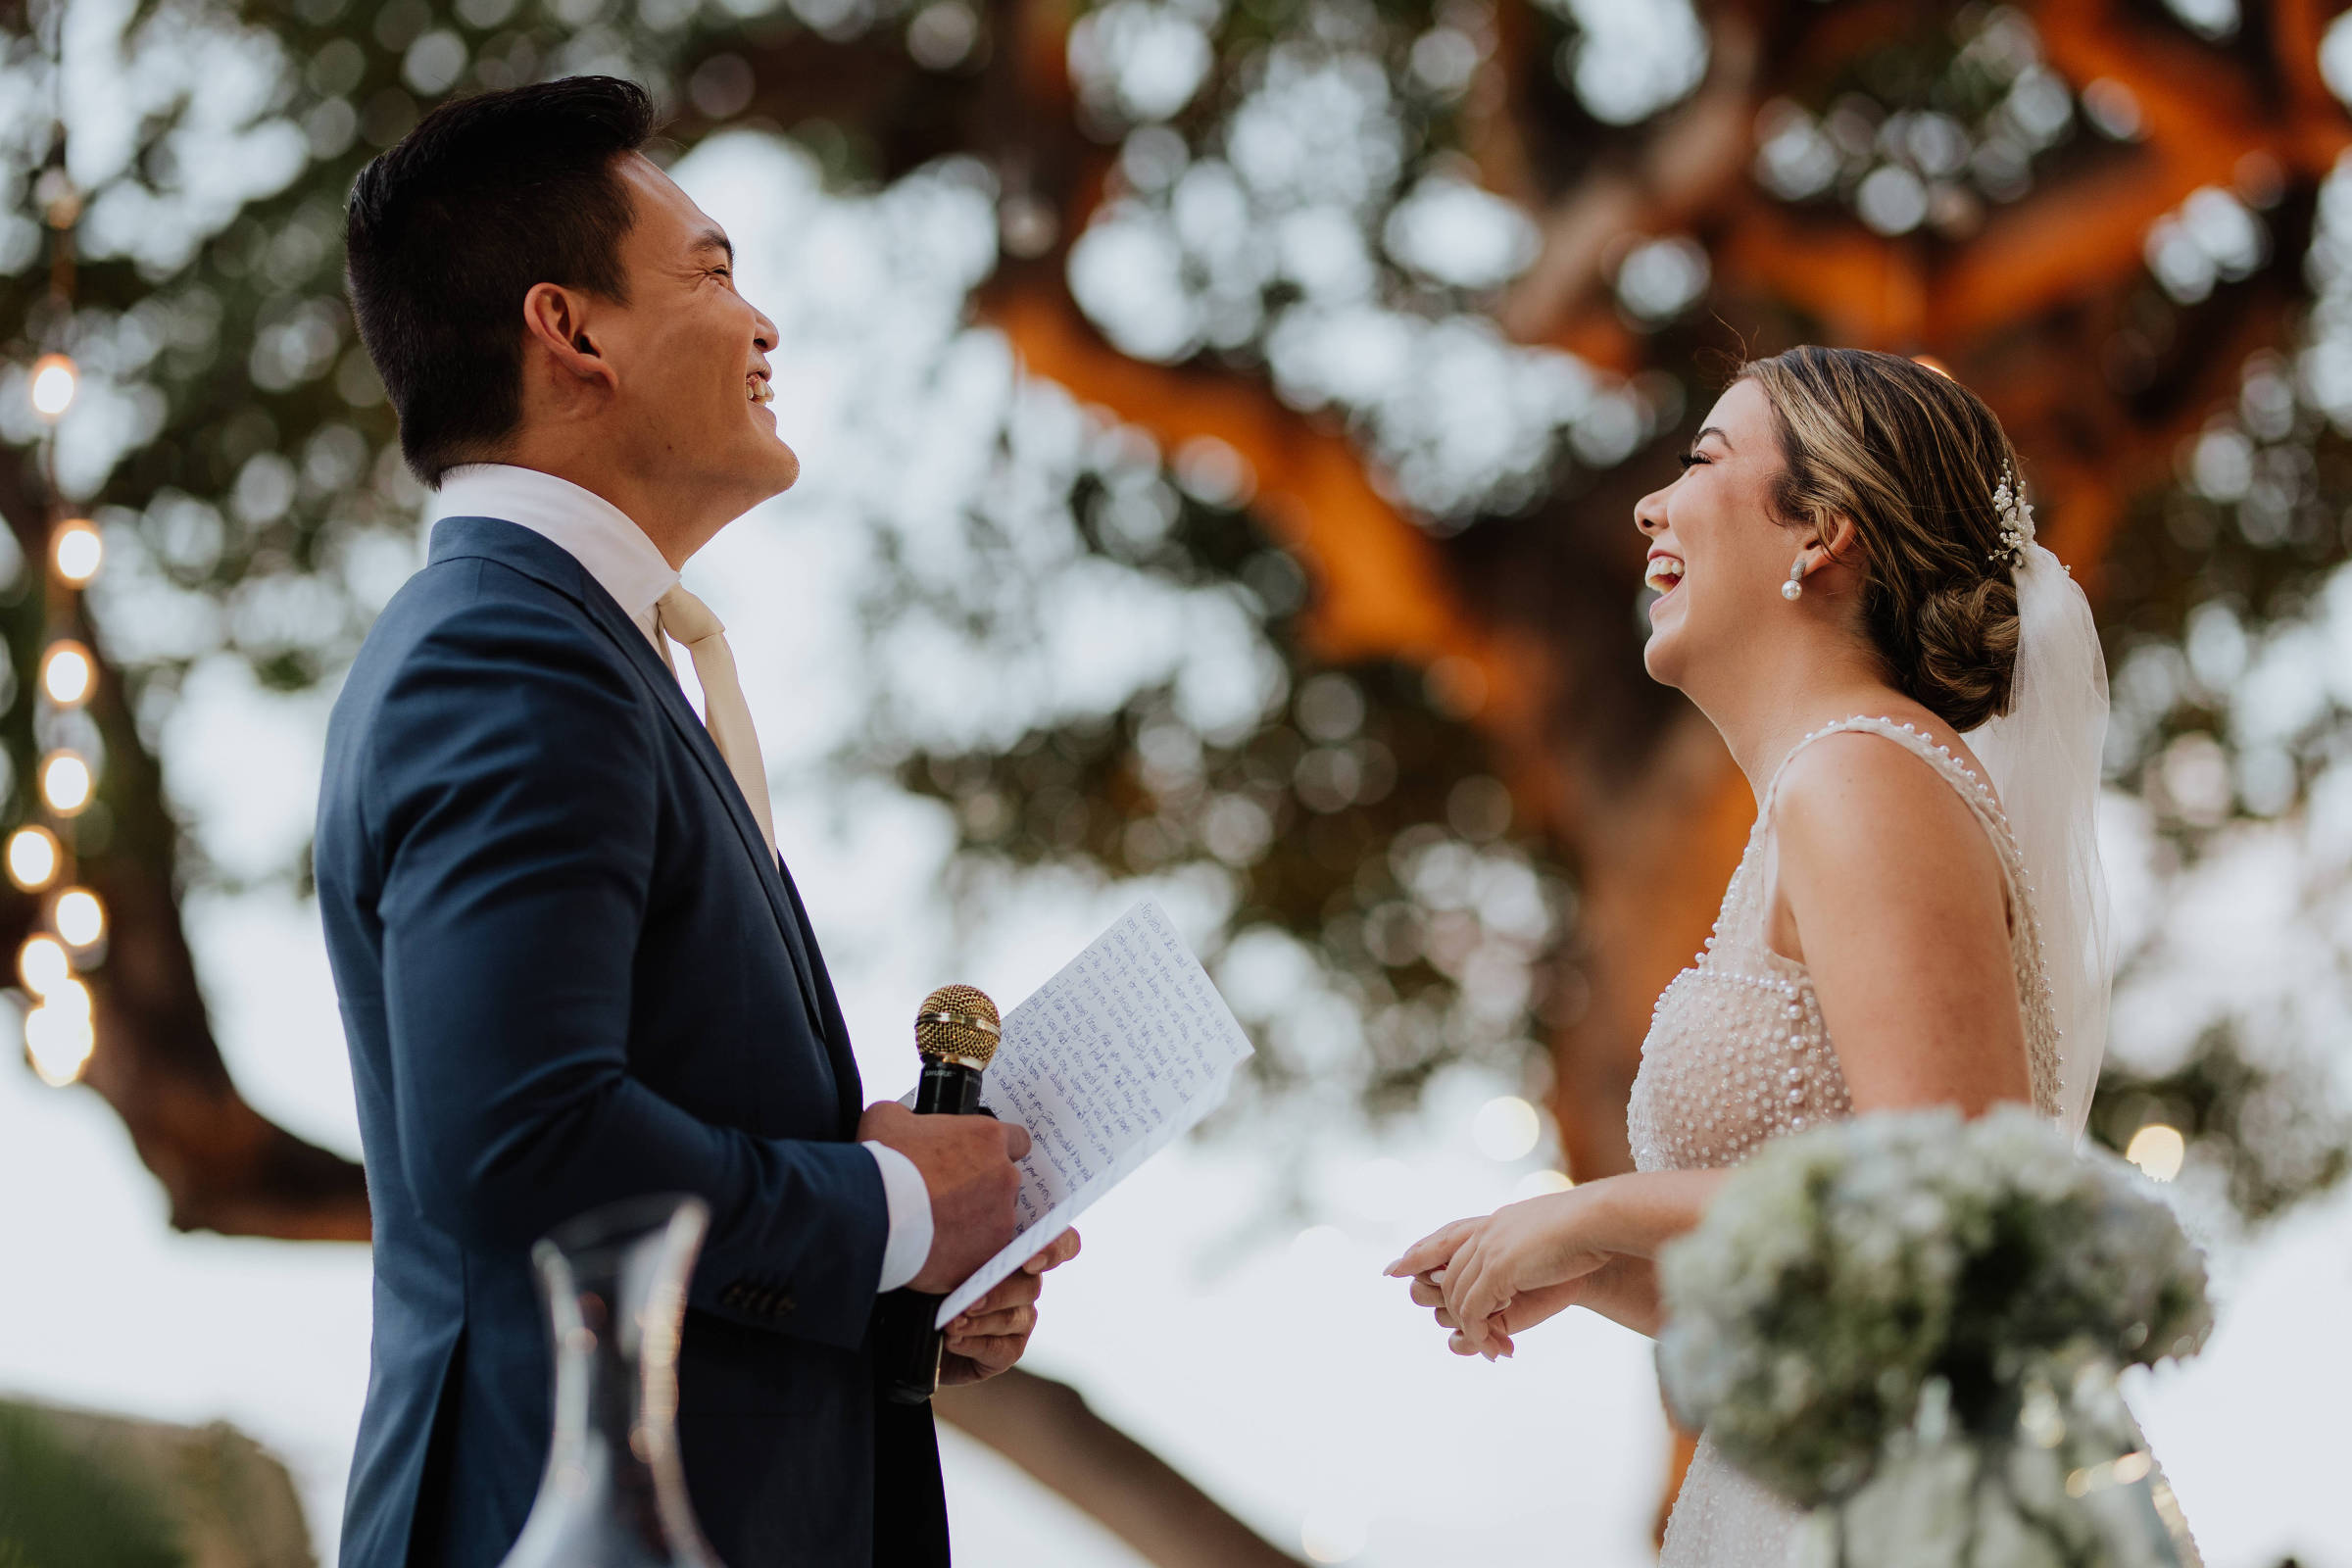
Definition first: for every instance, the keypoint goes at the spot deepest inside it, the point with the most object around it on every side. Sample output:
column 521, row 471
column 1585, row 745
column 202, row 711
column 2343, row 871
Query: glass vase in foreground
column 614, row 1491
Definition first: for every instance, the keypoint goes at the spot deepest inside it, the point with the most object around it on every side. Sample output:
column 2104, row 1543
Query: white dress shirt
column 617, row 553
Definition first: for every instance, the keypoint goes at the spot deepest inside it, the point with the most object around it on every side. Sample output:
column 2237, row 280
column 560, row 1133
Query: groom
column 571, row 968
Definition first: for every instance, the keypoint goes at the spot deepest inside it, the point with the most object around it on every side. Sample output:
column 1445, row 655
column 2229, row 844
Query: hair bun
column 1967, row 650
column 1916, row 461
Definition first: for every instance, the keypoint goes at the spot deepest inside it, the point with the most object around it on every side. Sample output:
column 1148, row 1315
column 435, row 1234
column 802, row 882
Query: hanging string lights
column 68, row 938
column 60, row 1029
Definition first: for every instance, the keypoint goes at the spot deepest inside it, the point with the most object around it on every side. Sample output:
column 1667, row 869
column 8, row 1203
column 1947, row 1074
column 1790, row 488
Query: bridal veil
column 2044, row 758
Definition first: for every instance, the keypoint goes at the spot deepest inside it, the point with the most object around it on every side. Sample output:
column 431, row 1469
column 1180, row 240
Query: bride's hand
column 1530, row 1308
column 1511, row 1269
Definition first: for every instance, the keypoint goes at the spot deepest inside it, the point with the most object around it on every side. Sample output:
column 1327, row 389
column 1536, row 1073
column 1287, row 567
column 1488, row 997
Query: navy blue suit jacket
column 571, row 972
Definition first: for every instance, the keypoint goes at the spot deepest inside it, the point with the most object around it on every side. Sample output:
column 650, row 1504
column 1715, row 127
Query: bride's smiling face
column 1716, row 554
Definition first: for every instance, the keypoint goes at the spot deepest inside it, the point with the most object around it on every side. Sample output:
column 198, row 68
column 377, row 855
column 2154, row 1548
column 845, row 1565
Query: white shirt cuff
column 910, row 1243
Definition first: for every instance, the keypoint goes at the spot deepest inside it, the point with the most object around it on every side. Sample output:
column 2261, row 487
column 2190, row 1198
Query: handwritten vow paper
column 1126, row 1048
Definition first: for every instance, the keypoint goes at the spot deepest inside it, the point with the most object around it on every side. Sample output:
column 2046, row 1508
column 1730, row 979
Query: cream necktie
column 724, row 713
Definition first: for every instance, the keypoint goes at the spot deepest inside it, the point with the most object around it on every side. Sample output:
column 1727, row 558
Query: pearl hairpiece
column 2017, row 520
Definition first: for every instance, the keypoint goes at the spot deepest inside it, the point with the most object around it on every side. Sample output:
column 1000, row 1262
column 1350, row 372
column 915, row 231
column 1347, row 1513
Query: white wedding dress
column 1737, row 1053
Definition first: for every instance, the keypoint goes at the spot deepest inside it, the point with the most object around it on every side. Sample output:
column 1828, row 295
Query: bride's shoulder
column 1859, row 797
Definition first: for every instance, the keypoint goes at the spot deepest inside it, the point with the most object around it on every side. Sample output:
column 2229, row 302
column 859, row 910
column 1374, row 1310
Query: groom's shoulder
column 472, row 662
column 475, row 561
column 473, row 619
column 482, row 596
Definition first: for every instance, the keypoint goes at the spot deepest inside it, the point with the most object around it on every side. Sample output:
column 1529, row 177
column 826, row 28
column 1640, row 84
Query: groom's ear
column 555, row 322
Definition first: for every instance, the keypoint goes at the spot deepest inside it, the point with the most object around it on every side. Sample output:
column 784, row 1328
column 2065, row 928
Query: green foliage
column 1353, row 832
column 1357, row 827
column 62, row 1507
column 1384, row 913
column 2276, row 1134
column 2239, row 551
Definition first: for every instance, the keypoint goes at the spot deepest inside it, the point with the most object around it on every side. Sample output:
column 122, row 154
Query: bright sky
column 1257, row 1351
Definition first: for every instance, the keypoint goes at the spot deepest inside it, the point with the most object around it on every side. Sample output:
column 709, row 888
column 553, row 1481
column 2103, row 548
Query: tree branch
column 1653, row 825
column 1686, row 162
column 1048, row 1429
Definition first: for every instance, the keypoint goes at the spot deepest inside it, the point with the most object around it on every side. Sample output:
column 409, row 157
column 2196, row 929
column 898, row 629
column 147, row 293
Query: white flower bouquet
column 1912, row 1323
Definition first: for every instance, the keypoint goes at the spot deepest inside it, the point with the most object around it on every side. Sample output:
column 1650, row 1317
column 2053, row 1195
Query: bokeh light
column 78, row 552
column 1506, row 1128
column 67, row 674
column 65, row 782
column 2158, row 1150
column 1660, row 278
column 60, row 1035
column 79, row 917
column 1540, row 1184
column 32, row 857
column 54, row 383
column 43, row 964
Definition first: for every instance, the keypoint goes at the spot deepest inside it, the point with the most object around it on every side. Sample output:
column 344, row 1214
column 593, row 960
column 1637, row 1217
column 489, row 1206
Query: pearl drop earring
column 1796, row 585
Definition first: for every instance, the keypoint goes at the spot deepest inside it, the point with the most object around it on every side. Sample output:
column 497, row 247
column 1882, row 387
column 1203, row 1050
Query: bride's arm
column 1891, row 896
column 1593, row 1247
column 1894, row 899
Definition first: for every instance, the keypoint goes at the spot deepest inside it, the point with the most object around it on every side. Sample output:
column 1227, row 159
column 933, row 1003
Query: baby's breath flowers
column 1872, row 1285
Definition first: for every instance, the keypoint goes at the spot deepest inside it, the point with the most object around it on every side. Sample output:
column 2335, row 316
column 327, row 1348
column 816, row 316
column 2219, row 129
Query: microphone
column 955, row 1033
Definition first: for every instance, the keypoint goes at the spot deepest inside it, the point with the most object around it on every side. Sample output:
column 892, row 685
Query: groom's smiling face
column 690, row 351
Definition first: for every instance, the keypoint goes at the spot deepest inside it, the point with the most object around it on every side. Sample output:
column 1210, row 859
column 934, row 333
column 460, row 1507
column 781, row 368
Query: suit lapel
column 671, row 699
column 846, row 1081
column 512, row 545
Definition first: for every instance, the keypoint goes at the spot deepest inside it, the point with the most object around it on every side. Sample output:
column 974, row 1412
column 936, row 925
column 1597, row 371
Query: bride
column 1850, row 590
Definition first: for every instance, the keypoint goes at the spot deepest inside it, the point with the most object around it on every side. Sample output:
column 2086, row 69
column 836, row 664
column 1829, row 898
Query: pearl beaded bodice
column 1736, row 1050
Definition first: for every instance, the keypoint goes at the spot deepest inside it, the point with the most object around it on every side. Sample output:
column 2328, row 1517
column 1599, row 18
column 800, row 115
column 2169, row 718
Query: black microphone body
column 949, row 1089
column 908, row 1344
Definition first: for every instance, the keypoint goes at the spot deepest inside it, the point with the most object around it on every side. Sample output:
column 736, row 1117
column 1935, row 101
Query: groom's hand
column 994, row 1331
column 968, row 1165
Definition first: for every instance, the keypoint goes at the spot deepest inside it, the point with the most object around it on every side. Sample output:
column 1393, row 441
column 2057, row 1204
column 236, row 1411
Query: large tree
column 1388, row 309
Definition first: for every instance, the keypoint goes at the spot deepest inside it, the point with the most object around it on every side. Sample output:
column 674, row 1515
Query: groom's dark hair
column 448, row 229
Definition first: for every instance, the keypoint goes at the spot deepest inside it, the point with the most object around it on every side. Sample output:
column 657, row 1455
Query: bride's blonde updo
column 1913, row 458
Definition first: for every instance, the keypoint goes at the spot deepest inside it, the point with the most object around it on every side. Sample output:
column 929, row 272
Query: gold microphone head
column 956, row 1023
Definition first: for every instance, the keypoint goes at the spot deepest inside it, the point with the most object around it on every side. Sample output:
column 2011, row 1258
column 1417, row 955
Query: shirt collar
column 592, row 530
